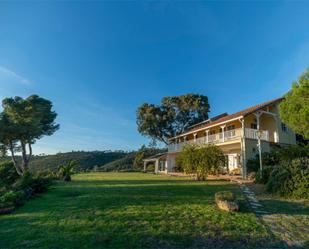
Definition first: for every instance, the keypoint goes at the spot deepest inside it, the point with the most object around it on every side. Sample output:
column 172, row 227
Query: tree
column 172, row 116
column 65, row 171
column 294, row 110
column 22, row 122
column 201, row 160
column 140, row 155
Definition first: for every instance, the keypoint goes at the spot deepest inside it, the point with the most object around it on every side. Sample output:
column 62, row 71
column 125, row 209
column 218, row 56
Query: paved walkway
column 270, row 220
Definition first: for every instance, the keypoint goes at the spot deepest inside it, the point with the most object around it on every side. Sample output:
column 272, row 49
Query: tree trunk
column 18, row 170
column 24, row 156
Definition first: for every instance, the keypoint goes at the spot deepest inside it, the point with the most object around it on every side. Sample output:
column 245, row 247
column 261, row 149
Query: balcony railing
column 220, row 138
column 252, row 133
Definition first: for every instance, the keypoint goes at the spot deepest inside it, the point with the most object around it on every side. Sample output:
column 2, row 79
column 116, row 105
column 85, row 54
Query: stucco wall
column 252, row 148
column 170, row 162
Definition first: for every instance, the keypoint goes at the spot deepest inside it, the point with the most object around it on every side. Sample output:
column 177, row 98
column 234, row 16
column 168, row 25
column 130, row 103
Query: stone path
column 270, row 220
column 253, row 202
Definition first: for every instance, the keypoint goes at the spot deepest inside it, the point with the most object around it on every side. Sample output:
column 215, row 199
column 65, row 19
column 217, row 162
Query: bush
column 291, row 179
column 48, row 174
column 31, row 184
column 224, row 196
column 201, row 160
column 8, row 174
column 268, row 159
column 264, row 177
column 12, row 198
column 277, row 157
column 21, row 189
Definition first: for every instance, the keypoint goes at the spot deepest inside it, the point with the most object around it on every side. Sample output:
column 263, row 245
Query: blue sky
column 98, row 61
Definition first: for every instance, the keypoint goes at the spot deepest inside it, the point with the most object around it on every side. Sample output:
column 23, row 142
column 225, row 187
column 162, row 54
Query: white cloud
column 6, row 73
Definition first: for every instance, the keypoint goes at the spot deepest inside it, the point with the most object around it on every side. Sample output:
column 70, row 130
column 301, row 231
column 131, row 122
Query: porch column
column 207, row 138
column 145, row 165
column 157, row 166
column 258, row 115
column 222, row 127
column 276, row 134
column 177, row 144
column 194, row 137
column 243, row 150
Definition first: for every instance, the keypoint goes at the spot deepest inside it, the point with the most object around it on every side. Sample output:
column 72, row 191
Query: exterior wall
column 231, row 148
column 171, row 161
column 273, row 125
column 286, row 137
column 249, row 120
column 252, row 148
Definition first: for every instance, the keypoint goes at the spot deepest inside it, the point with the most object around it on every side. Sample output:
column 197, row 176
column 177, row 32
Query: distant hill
column 125, row 163
column 85, row 160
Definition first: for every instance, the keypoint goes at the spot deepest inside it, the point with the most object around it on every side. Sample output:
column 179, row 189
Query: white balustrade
column 218, row 138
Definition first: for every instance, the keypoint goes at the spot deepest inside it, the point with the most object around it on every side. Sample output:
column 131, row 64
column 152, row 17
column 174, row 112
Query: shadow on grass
column 275, row 206
column 113, row 235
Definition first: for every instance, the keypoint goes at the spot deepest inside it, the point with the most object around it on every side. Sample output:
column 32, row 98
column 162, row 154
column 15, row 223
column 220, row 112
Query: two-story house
column 236, row 134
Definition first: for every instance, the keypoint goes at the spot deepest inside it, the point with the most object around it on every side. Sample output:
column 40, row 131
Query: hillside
column 125, row 163
column 85, row 160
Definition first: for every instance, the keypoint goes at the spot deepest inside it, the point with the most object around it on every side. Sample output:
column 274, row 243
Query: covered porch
column 159, row 161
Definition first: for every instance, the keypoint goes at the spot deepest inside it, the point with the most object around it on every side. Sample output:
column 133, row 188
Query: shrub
column 201, row 160
column 49, row 174
column 268, row 159
column 290, row 179
column 12, row 198
column 277, row 157
column 264, row 177
column 150, row 167
column 31, row 184
column 8, row 174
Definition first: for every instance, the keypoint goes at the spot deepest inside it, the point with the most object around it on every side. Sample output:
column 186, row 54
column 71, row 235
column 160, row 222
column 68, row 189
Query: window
column 254, row 126
column 283, row 127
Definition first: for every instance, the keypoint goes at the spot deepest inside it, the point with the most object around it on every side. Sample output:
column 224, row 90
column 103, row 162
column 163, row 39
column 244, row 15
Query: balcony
column 220, row 138
column 253, row 134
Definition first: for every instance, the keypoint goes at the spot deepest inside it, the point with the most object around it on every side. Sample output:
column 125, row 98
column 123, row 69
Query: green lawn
column 291, row 216
column 132, row 210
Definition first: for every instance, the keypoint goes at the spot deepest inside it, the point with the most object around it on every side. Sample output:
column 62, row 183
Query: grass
column 291, row 216
column 132, row 210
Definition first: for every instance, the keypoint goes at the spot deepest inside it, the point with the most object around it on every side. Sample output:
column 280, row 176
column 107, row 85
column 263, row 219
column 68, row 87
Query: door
column 232, row 161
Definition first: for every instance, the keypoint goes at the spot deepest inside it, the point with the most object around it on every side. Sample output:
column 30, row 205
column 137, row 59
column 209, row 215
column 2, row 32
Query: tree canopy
column 172, row 116
column 294, row 110
column 22, row 122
